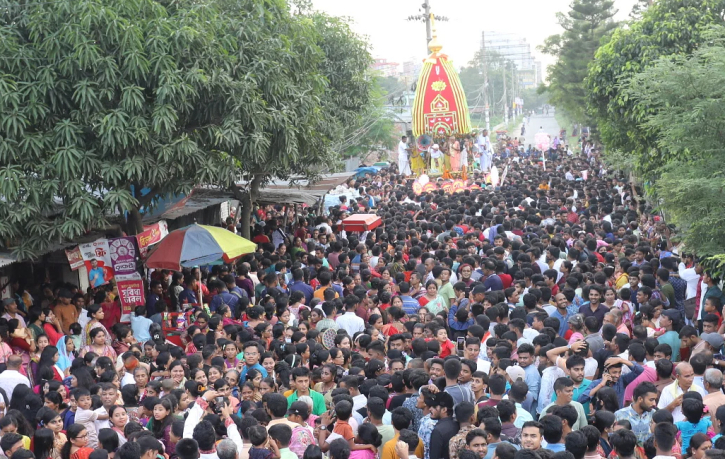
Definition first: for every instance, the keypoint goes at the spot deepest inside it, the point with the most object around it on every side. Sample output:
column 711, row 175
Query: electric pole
column 486, row 112
column 424, row 16
column 505, row 97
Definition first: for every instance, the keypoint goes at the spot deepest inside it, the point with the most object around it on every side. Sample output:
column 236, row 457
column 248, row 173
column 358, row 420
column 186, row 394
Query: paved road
column 549, row 124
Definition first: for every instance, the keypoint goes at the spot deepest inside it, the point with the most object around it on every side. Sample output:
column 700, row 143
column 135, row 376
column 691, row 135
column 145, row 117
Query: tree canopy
column 586, row 23
column 685, row 118
column 101, row 98
column 666, row 28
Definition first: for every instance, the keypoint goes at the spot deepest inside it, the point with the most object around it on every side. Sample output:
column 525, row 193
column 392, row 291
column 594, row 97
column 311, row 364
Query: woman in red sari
column 75, row 447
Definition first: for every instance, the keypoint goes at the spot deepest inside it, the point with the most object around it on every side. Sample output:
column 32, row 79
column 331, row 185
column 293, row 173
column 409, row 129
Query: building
column 517, row 50
column 386, row 69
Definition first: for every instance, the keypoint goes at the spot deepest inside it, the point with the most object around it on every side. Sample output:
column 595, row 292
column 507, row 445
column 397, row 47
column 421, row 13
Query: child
column 281, row 435
column 258, row 438
column 86, row 416
column 447, row 347
column 693, row 409
column 407, row 444
column 75, row 334
column 713, row 306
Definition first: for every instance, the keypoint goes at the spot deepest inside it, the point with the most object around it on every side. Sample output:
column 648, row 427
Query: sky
column 394, row 38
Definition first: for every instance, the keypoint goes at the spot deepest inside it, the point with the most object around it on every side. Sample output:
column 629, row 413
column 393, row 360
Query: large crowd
column 547, row 318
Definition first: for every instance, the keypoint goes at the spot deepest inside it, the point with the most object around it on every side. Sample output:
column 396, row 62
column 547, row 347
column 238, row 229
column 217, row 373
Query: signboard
column 97, row 259
column 151, row 235
column 123, row 255
column 130, row 292
column 75, row 258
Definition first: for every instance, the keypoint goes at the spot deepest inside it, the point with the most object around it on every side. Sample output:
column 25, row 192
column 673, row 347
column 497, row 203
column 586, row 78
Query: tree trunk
column 247, row 202
column 134, row 222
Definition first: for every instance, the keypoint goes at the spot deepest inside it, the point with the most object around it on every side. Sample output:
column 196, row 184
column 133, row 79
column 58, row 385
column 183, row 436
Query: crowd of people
column 549, row 318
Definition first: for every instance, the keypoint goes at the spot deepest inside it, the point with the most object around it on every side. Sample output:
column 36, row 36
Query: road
column 548, row 123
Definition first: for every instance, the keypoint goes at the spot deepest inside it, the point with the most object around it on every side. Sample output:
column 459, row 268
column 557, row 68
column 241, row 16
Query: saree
column 82, row 453
column 86, row 335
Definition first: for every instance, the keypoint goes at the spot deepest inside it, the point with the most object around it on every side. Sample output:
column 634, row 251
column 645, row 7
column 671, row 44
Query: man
column 476, row 442
column 668, row 319
column 459, row 392
column 485, row 149
column 715, row 397
column 526, row 361
column 410, row 306
column 574, row 366
column 553, row 427
column 10, row 443
column 403, row 161
column 156, row 293
column 446, row 291
column 623, row 443
column 301, row 378
column 251, row 360
column 562, row 313
column 11, row 311
column 690, row 339
column 671, row 397
column 187, row 448
column 140, row 324
column 665, row 435
column 349, row 321
column 277, row 410
column 507, row 415
column 564, row 390
column 441, row 410
column 492, row 427
column 549, row 374
column 613, row 378
column 639, row 413
column 65, row 311
column 518, row 394
column 149, row 447
column 400, row 418
column 531, row 435
column 11, row 377
column 594, row 307
column 95, row 274
column 108, row 399
column 472, row 351
column 466, row 416
column 298, row 284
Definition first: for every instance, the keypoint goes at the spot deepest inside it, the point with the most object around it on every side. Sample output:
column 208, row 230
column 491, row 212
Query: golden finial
column 434, row 45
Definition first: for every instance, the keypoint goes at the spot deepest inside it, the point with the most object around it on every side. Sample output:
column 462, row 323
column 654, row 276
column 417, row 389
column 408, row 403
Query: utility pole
column 424, row 16
column 505, row 97
column 486, row 108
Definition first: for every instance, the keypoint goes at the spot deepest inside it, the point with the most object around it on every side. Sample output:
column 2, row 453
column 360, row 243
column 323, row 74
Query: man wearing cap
column 671, row 396
column 670, row 337
column 441, row 409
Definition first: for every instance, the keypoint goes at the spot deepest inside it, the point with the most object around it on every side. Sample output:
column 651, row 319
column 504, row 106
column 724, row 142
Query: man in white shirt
column 436, row 158
column 403, row 161
column 671, row 397
column 11, row 311
column 11, row 377
column 485, row 149
column 350, row 321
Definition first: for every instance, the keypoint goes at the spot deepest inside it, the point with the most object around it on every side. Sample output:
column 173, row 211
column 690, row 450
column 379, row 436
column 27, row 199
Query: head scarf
column 65, row 359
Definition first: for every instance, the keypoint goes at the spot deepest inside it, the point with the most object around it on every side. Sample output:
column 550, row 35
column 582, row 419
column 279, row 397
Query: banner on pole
column 151, row 235
column 123, row 255
column 130, row 292
column 75, row 258
column 97, row 258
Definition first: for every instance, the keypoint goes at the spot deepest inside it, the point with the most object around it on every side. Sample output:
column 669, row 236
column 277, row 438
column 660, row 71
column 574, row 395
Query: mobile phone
column 461, row 342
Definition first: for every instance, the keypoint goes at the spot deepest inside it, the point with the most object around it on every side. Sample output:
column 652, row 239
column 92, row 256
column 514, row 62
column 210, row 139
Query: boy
column 447, row 347
column 281, row 435
column 86, row 416
column 407, row 444
column 258, row 438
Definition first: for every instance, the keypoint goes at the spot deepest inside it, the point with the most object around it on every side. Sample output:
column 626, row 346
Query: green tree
column 101, row 98
column 586, row 23
column 686, row 121
column 666, row 28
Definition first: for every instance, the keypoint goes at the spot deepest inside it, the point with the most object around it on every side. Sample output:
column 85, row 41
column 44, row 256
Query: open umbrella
column 197, row 245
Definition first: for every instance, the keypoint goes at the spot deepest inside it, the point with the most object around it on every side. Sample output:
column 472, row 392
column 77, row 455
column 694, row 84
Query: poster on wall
column 75, row 258
column 97, row 259
column 151, row 235
column 123, row 255
column 130, row 293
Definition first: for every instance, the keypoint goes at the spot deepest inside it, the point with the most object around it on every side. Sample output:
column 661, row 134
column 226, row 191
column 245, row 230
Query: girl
column 160, row 423
column 129, row 395
column 49, row 359
column 99, row 343
column 118, row 418
column 230, row 354
column 199, row 375
column 367, row 434
column 52, row 421
column 43, row 443
column 96, row 314
column 124, row 339
column 76, row 446
column 35, row 322
column 215, row 373
column 267, row 386
column 54, row 401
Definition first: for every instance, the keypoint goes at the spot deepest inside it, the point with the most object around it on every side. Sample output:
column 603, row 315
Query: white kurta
column 403, row 162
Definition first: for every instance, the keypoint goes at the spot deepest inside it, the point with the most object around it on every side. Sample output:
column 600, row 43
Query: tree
column 667, row 27
column 101, row 98
column 586, row 23
column 685, row 117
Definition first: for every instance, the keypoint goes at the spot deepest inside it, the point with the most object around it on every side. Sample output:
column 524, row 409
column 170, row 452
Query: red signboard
column 75, row 258
column 130, row 292
column 151, row 235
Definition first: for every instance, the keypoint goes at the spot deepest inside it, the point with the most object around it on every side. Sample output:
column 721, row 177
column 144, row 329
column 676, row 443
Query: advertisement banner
column 130, row 292
column 151, row 235
column 97, row 258
column 123, row 255
column 75, row 258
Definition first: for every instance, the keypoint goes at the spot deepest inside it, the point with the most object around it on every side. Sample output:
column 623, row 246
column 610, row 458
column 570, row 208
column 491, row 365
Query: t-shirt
column 344, row 429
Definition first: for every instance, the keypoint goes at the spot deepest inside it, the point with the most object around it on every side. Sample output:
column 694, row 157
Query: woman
column 267, row 386
column 699, row 443
column 431, row 300
column 96, row 314
column 141, row 379
column 367, row 434
column 327, row 374
column 49, row 359
column 199, row 375
column 53, row 422
column 250, row 393
column 5, row 350
column 178, row 374
column 124, row 339
column 603, row 421
column 35, row 321
column 99, row 343
column 395, row 326
column 230, row 351
column 66, row 351
column 43, row 443
column 75, row 447
column 576, row 325
column 160, row 424
column 376, row 322
column 22, row 344
column 15, row 422
column 118, row 418
column 129, row 395
column 51, row 327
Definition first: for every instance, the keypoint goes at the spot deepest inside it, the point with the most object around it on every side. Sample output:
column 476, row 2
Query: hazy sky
column 394, row 38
